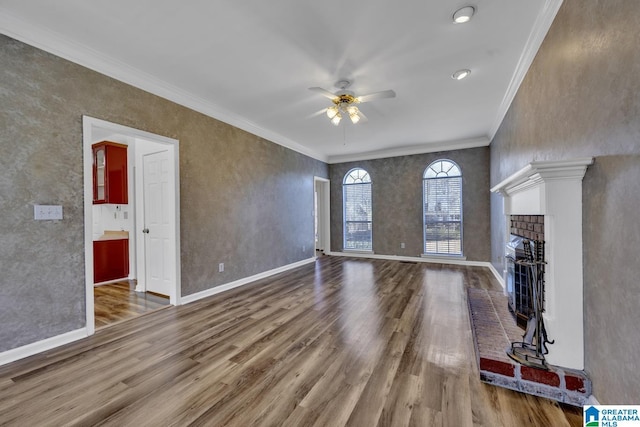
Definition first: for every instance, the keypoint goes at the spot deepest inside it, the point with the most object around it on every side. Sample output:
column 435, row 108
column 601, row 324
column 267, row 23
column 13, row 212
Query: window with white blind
column 442, row 208
column 356, row 194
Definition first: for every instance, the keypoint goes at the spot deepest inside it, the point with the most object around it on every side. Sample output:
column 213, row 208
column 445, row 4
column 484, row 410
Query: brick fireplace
column 553, row 190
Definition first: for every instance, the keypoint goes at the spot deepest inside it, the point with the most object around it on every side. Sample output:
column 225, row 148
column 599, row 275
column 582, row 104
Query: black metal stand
column 531, row 350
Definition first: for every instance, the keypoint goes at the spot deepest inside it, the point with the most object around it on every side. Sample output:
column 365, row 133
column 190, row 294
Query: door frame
column 97, row 128
column 322, row 213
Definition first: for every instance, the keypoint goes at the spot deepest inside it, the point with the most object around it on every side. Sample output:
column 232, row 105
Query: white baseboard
column 68, row 337
column 40, row 346
column 240, row 282
column 436, row 260
column 499, row 277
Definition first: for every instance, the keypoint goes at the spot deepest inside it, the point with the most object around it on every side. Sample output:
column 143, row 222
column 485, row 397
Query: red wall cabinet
column 110, row 260
column 110, row 173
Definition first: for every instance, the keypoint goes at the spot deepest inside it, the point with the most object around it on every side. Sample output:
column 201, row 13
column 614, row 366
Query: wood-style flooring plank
column 115, row 302
column 344, row 342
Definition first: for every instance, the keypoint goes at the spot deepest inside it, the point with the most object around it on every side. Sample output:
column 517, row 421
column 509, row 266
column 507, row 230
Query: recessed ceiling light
column 460, row 74
column 464, row 14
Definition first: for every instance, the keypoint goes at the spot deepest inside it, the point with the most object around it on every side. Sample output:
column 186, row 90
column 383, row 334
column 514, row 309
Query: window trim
column 369, row 182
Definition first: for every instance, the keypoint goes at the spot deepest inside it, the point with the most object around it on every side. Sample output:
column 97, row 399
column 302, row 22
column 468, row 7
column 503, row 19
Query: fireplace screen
column 525, row 286
column 520, row 252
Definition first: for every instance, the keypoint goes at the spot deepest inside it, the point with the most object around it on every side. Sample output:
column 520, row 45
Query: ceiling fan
column 345, row 102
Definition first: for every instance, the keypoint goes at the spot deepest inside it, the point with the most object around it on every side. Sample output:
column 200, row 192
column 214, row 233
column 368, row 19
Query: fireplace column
column 554, row 189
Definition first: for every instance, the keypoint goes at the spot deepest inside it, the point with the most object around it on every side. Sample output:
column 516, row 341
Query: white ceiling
column 250, row 62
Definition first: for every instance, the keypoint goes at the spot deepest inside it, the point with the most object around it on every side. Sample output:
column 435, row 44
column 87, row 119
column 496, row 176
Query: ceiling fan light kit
column 345, row 102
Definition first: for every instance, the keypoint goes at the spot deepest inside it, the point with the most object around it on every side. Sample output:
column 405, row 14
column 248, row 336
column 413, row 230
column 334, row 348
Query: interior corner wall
column 244, row 201
column 397, row 202
column 581, row 98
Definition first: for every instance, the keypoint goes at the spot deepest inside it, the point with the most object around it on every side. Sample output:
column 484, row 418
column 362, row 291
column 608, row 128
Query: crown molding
column 536, row 37
column 81, row 54
column 412, row 149
column 56, row 44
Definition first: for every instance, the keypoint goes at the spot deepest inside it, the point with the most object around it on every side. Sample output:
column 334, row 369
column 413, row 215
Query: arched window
column 356, row 197
column 442, row 208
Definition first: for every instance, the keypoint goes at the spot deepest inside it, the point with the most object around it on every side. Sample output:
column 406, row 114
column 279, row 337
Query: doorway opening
column 128, row 223
column 321, row 215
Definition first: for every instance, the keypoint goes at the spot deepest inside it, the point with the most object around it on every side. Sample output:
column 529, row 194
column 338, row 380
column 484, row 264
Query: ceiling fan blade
column 376, row 95
column 363, row 118
column 317, row 113
column 323, row 92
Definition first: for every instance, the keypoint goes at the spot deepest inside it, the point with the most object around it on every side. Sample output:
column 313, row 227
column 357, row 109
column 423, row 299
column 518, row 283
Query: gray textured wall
column 244, row 201
column 581, row 97
column 397, row 201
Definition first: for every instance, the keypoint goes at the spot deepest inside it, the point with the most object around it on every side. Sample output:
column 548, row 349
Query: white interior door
column 158, row 223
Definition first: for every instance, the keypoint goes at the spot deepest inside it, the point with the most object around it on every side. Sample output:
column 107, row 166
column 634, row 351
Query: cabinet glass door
column 100, row 167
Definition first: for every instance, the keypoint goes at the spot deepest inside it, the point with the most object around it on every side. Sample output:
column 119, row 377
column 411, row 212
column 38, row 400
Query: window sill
column 434, row 256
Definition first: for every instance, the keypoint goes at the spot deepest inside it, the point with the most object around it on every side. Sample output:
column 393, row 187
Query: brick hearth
column 493, row 331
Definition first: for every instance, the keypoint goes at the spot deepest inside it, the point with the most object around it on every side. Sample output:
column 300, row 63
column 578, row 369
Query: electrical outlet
column 402, row 245
column 221, row 267
column 47, row 212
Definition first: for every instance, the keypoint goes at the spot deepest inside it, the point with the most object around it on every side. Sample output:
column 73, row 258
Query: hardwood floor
column 342, row 342
column 115, row 302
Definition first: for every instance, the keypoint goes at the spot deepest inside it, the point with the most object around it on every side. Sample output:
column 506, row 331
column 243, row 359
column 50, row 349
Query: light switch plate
column 47, row 212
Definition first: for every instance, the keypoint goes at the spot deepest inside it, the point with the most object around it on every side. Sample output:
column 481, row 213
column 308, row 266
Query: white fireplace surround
column 554, row 189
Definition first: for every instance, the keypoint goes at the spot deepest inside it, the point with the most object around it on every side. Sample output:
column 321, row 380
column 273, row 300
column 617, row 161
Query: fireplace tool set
column 531, row 350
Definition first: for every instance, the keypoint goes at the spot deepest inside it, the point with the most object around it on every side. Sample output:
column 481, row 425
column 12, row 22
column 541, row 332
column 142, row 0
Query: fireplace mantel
column 524, row 190
column 554, row 189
